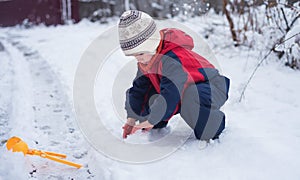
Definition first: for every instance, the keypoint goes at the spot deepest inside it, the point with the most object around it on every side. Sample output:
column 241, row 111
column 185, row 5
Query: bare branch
column 285, row 20
column 294, row 20
column 230, row 21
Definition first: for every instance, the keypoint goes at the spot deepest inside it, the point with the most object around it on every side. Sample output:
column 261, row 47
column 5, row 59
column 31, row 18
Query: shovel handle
column 40, row 152
column 61, row 161
column 55, row 154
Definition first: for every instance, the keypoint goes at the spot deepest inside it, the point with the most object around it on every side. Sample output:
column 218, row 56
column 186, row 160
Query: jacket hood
column 173, row 38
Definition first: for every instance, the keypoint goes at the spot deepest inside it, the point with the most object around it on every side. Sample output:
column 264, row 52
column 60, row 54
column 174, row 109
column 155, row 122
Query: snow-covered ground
column 37, row 69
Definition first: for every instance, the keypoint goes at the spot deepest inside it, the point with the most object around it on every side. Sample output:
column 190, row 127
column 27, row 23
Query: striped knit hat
column 138, row 33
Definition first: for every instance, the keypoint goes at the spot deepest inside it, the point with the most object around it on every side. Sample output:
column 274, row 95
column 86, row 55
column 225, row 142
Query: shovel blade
column 12, row 142
column 17, row 145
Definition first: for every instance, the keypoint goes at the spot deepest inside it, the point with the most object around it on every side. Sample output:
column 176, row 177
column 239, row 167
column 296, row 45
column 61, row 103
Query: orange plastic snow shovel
column 17, row 145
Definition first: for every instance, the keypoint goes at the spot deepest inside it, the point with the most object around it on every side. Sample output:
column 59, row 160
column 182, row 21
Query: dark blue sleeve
column 135, row 96
column 171, row 87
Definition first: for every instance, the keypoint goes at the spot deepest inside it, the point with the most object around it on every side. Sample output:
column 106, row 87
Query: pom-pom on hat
column 138, row 33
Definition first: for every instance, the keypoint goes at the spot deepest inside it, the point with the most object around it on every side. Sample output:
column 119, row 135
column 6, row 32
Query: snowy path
column 37, row 109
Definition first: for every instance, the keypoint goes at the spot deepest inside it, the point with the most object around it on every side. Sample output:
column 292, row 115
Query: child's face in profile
column 143, row 58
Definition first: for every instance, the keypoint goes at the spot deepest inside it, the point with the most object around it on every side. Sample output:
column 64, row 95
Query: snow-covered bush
column 285, row 20
column 292, row 47
column 274, row 20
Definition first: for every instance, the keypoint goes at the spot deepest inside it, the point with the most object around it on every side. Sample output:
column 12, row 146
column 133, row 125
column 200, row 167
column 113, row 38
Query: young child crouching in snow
column 171, row 79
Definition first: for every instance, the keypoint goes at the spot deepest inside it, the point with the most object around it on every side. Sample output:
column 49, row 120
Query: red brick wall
column 13, row 12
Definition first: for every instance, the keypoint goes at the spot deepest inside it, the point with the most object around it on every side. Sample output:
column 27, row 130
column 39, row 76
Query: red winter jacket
column 173, row 68
column 181, row 45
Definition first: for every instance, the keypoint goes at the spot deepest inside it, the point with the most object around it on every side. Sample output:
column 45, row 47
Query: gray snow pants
column 200, row 107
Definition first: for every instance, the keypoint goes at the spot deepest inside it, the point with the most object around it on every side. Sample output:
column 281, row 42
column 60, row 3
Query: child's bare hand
column 127, row 128
column 144, row 125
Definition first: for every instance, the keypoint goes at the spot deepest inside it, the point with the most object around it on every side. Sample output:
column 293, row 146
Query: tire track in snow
column 13, row 112
column 43, row 115
column 22, row 95
column 6, row 75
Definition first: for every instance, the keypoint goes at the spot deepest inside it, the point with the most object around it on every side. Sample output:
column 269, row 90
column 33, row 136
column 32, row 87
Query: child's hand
column 144, row 126
column 131, row 128
column 127, row 128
